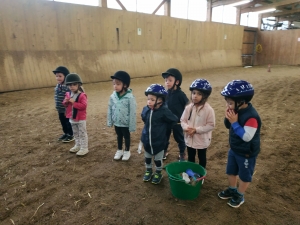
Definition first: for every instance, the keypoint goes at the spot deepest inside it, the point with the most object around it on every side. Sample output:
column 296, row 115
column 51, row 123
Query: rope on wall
column 258, row 48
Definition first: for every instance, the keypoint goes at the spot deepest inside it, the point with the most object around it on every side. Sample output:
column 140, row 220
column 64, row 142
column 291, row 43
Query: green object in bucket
column 179, row 188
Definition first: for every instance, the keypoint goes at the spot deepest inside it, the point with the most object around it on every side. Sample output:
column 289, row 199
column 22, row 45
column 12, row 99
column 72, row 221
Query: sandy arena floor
column 42, row 183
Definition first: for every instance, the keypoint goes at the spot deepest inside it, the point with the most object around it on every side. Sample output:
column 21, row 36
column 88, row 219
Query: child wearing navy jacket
column 156, row 117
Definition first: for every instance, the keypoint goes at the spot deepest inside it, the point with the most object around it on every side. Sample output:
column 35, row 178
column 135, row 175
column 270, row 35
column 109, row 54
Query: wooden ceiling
column 286, row 10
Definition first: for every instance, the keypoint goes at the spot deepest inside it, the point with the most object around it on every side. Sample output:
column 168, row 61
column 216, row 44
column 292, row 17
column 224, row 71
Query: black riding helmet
column 175, row 73
column 122, row 76
column 73, row 78
column 61, row 69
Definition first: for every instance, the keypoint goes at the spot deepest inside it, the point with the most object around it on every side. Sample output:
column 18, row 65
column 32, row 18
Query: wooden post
column 103, row 3
column 259, row 21
column 209, row 11
column 167, row 8
column 238, row 16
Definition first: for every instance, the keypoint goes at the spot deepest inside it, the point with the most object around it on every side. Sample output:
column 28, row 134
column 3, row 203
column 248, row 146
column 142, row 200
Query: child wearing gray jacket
column 121, row 113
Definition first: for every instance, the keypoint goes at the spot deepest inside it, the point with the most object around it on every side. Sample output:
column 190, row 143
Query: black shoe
column 227, row 194
column 69, row 138
column 165, row 155
column 147, row 175
column 62, row 137
column 157, row 178
column 236, row 201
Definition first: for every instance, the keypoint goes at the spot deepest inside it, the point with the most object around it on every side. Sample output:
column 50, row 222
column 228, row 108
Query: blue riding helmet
column 238, row 89
column 156, row 89
column 201, row 85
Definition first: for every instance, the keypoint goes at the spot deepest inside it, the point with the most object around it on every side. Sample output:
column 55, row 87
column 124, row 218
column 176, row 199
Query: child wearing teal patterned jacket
column 122, row 113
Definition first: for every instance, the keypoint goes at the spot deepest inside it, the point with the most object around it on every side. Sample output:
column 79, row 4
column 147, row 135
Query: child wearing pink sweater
column 198, row 121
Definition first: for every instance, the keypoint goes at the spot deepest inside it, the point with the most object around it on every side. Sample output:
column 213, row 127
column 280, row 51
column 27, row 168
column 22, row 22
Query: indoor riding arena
column 41, row 182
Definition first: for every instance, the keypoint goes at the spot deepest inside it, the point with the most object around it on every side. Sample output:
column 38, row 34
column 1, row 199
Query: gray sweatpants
column 158, row 160
column 80, row 134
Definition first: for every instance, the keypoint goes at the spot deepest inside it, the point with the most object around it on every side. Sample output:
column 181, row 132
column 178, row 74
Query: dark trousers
column 65, row 123
column 178, row 136
column 201, row 155
column 123, row 132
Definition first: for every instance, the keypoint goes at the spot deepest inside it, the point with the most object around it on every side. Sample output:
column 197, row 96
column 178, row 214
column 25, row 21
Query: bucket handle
column 172, row 178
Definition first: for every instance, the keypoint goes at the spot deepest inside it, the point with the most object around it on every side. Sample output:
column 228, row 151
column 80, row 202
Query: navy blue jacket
column 176, row 101
column 238, row 145
column 154, row 133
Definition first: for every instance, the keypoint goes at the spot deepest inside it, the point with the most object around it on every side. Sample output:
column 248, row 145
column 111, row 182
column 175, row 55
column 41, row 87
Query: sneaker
column 181, row 158
column 82, row 152
column 165, row 156
column 69, row 138
column 118, row 154
column 157, row 178
column 147, row 175
column 227, row 194
column 236, row 201
column 62, row 137
column 126, row 155
column 75, row 149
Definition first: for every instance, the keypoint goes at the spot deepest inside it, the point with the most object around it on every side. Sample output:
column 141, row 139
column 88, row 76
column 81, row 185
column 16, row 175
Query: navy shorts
column 239, row 165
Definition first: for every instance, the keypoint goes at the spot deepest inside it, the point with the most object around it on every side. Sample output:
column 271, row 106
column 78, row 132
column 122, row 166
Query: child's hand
column 71, row 100
column 191, row 131
column 231, row 116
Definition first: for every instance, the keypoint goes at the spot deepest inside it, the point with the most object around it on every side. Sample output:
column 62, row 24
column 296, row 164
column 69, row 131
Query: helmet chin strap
column 237, row 106
column 122, row 89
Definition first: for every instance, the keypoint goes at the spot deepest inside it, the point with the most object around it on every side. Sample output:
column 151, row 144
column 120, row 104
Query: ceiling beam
column 289, row 19
column 158, row 7
column 251, row 4
column 223, row 2
column 273, row 5
column 284, row 12
column 122, row 6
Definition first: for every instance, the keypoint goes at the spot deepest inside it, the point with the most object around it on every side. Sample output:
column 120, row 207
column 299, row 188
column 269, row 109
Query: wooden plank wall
column 279, row 47
column 37, row 36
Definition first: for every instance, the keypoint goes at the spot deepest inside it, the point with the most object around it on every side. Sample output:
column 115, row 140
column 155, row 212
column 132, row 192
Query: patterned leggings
column 80, row 134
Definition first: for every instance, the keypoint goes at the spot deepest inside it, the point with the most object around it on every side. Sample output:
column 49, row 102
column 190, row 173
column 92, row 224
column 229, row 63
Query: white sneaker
column 82, row 151
column 118, row 154
column 75, row 149
column 126, row 155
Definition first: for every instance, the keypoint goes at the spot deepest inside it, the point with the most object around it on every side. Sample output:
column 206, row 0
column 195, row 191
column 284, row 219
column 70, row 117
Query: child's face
column 230, row 103
column 118, row 85
column 169, row 82
column 59, row 78
column 151, row 99
column 73, row 87
column 196, row 96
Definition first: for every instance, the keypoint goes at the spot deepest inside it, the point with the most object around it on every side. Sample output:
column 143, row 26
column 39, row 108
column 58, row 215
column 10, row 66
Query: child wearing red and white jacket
column 76, row 104
column 198, row 121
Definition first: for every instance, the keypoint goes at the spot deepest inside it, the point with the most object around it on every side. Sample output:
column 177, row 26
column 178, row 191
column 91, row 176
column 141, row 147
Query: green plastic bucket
column 179, row 188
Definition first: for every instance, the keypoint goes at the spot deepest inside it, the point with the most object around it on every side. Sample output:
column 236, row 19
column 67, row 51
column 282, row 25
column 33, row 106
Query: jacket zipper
column 150, row 142
column 194, row 124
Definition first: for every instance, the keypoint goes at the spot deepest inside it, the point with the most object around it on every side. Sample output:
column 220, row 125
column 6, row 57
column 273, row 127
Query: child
column 244, row 125
column 122, row 113
column 176, row 101
column 76, row 104
column 156, row 117
column 60, row 90
column 198, row 121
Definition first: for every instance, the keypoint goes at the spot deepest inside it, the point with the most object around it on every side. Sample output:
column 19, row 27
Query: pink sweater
column 203, row 119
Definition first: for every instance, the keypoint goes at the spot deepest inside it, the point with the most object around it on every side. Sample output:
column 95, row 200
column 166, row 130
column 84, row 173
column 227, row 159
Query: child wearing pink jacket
column 198, row 121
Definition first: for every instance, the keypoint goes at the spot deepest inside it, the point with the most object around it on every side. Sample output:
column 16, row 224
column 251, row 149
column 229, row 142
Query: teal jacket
column 122, row 110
